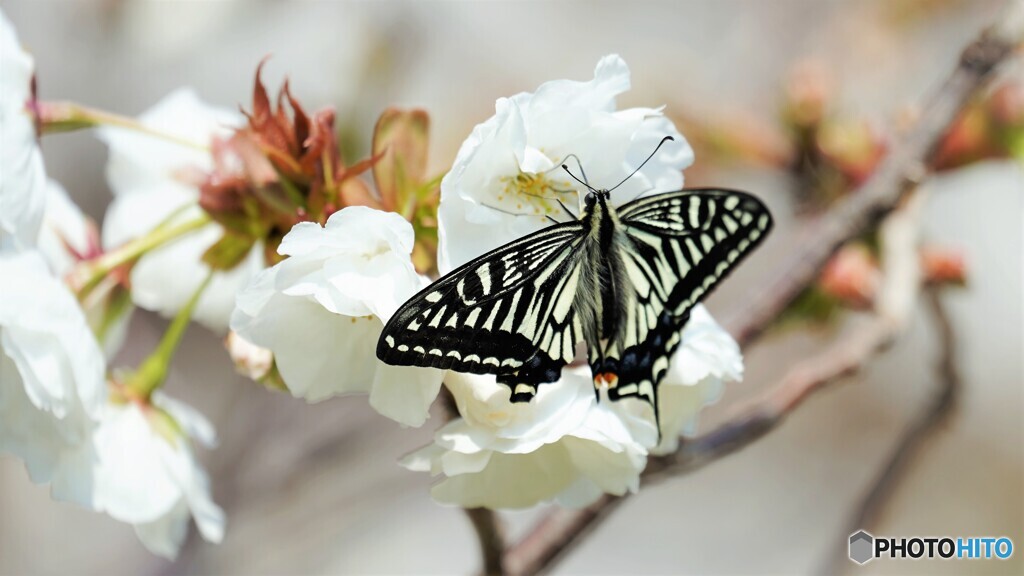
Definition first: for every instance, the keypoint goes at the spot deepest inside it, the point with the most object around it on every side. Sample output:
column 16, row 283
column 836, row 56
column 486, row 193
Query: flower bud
column 808, row 90
column 851, row 276
column 853, row 147
column 943, row 265
column 250, row 360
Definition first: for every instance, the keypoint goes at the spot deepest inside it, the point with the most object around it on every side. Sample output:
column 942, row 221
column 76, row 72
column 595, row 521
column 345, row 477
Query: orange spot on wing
column 608, row 379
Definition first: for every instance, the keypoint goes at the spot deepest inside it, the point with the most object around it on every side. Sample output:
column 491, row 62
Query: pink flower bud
column 943, row 265
column 851, row 276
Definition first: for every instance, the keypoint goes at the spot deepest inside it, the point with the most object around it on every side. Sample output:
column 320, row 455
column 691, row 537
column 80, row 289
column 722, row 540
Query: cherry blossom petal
column 22, row 176
column 321, row 311
column 52, row 382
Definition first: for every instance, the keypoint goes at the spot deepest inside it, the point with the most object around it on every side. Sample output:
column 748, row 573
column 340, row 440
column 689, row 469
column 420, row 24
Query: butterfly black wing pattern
column 622, row 280
column 507, row 312
column 679, row 246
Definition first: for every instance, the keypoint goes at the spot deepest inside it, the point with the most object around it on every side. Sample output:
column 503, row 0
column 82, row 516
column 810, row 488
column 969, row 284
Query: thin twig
column 939, row 407
column 906, row 165
column 844, row 358
column 491, row 537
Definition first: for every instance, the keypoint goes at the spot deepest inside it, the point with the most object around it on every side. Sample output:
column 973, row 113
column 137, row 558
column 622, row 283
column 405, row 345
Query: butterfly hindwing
column 498, row 314
column 637, row 370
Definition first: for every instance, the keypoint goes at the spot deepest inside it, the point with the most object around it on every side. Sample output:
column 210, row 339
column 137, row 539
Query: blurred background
column 315, row 489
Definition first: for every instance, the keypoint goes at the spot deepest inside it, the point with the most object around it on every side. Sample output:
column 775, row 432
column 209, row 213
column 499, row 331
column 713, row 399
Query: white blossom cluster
column 57, row 410
column 314, row 317
column 565, row 445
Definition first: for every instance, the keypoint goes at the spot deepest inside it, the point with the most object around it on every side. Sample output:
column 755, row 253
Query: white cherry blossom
column 148, row 475
column 132, row 460
column 52, row 378
column 22, row 177
column 321, row 311
column 510, row 164
column 562, row 446
column 150, row 179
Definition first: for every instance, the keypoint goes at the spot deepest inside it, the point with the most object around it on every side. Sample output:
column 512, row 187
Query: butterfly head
column 594, row 196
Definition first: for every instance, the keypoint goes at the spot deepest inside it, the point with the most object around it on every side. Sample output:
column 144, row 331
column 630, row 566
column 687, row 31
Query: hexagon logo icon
column 862, row 547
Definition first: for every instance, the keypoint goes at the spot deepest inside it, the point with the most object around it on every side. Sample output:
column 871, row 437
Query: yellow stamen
column 535, row 190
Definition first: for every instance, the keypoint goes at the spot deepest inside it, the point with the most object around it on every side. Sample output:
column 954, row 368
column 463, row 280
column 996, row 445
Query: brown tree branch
column 906, row 165
column 490, row 533
column 491, row 537
column 894, row 305
column 939, row 407
column 555, row 534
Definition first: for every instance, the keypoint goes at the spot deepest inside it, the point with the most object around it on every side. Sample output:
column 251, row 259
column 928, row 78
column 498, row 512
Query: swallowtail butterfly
column 622, row 280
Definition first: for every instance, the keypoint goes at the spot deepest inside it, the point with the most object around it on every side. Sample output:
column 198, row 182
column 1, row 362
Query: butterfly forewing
column 694, row 238
column 494, row 313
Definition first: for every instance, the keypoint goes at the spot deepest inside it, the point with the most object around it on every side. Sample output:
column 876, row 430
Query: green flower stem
column 153, row 371
column 119, row 303
column 94, row 271
column 57, row 117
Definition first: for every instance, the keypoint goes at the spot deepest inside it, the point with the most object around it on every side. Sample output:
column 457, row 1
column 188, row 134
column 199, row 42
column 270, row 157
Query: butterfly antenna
column 656, row 148
column 589, row 187
column 586, row 181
